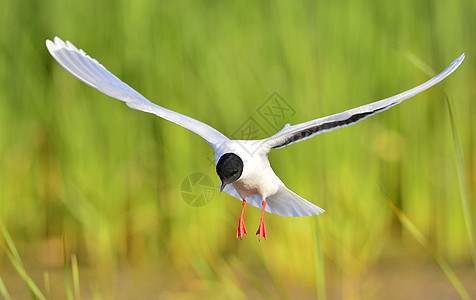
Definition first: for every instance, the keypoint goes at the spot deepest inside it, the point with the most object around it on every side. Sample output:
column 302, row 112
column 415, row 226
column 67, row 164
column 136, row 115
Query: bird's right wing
column 91, row 72
column 300, row 132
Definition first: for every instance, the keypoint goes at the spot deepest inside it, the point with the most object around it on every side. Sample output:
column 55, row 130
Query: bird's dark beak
column 222, row 186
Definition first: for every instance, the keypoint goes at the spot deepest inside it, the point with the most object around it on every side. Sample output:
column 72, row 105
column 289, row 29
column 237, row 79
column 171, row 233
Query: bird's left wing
column 91, row 72
column 296, row 133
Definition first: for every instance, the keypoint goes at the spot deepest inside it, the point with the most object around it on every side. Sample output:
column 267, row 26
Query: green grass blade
column 253, row 279
column 3, row 290
column 75, row 271
column 14, row 257
column 35, row 291
column 459, row 161
column 69, row 289
column 462, row 184
column 11, row 244
column 46, row 281
column 275, row 279
column 319, row 263
column 408, row 224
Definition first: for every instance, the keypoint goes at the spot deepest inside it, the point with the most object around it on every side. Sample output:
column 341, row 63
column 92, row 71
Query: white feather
column 91, row 72
column 284, row 203
column 277, row 140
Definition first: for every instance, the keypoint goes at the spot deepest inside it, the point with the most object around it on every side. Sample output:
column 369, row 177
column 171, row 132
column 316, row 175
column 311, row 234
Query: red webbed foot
column 262, row 227
column 262, row 230
column 241, row 229
column 241, row 224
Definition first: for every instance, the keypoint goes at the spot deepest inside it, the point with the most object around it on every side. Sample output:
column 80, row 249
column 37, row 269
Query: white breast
column 257, row 176
column 260, row 179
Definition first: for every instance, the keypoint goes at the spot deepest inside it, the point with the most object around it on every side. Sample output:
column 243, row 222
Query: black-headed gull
column 242, row 165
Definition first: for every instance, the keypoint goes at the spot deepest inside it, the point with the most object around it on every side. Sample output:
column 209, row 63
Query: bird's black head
column 229, row 168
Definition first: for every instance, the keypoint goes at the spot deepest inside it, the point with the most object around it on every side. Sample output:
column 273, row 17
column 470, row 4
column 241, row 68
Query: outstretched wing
column 284, row 203
column 91, row 72
column 296, row 133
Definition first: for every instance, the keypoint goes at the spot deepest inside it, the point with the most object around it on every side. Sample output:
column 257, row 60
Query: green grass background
column 79, row 166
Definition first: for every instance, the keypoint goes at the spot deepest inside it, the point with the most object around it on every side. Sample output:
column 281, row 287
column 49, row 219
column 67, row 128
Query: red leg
column 241, row 223
column 262, row 227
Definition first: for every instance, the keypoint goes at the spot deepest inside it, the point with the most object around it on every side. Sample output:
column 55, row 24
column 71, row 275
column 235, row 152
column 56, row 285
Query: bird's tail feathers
column 284, row 203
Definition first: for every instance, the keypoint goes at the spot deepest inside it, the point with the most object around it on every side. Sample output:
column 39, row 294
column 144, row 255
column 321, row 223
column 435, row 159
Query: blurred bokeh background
column 90, row 202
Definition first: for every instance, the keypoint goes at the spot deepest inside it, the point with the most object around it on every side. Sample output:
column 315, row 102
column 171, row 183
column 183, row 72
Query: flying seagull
column 242, row 165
